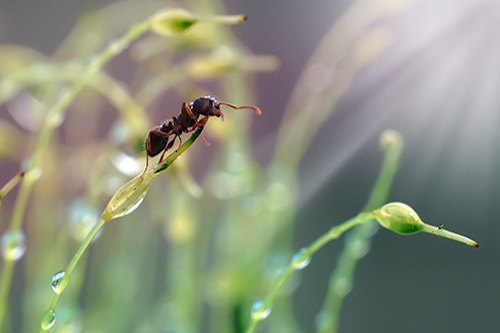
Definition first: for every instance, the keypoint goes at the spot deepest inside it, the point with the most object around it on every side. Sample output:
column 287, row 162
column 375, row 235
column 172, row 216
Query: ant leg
column 203, row 138
column 180, row 143
column 187, row 110
column 199, row 124
column 147, row 163
column 170, row 144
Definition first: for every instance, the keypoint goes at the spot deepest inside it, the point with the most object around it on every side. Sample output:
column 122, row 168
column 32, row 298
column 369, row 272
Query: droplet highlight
column 48, row 319
column 342, row 286
column 13, row 245
column 300, row 260
column 259, row 311
column 59, row 283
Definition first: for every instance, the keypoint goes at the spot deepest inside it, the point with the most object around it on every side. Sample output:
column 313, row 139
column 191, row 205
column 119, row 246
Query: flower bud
column 402, row 219
column 399, row 218
column 391, row 139
column 172, row 21
column 128, row 197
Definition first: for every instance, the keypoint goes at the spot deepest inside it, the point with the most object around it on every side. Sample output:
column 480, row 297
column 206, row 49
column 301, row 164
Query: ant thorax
column 206, row 106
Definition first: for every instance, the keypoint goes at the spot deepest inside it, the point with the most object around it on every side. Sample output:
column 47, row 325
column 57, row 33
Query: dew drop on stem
column 59, row 283
column 300, row 260
column 259, row 311
column 48, row 319
column 13, row 245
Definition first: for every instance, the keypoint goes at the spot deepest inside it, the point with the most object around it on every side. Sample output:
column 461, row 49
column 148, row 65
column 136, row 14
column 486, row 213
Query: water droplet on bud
column 259, row 311
column 48, row 319
column 300, row 260
column 59, row 283
column 13, row 245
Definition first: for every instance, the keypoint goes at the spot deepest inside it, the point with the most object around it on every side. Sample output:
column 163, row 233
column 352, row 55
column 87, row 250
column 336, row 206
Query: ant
column 187, row 121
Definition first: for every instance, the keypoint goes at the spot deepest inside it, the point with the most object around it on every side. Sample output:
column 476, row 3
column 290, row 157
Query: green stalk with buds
column 394, row 216
column 123, row 202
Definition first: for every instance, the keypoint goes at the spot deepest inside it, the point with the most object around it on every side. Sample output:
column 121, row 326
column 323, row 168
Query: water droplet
column 259, row 311
column 59, row 283
column 300, row 260
column 48, row 319
column 33, row 174
column 342, row 286
column 55, row 120
column 82, row 218
column 13, row 245
column 92, row 60
column 134, row 207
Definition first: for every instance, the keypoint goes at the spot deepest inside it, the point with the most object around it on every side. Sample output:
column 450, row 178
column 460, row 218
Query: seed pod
column 402, row 219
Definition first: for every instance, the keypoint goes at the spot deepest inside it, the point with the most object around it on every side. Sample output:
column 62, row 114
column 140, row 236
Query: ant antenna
column 256, row 109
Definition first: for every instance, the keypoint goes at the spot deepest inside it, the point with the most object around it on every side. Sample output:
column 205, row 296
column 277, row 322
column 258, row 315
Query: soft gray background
column 438, row 85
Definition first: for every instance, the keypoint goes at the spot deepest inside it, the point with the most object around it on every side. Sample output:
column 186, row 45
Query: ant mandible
column 187, row 121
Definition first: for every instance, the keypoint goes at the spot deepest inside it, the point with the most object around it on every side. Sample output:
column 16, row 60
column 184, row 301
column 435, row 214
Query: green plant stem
column 329, row 314
column 333, row 233
column 53, row 120
column 74, row 261
column 159, row 168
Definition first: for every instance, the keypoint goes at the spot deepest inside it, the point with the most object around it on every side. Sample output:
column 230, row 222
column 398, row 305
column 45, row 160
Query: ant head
column 206, row 106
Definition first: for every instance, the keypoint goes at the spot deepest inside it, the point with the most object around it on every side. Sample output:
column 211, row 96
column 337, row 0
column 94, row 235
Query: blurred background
column 428, row 69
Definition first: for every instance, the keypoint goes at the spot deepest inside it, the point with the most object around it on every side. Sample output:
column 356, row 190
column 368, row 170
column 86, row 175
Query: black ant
column 187, row 121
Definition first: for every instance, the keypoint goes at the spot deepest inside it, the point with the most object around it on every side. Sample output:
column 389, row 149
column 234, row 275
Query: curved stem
column 53, row 120
column 74, row 261
column 124, row 192
column 333, row 233
column 346, row 264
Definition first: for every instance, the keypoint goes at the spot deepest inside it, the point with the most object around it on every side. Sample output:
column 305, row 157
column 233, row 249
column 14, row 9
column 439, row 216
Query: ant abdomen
column 155, row 144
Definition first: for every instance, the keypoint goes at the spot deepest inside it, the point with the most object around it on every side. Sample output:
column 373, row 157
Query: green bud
column 128, row 197
column 390, row 139
column 402, row 219
column 399, row 218
column 172, row 21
